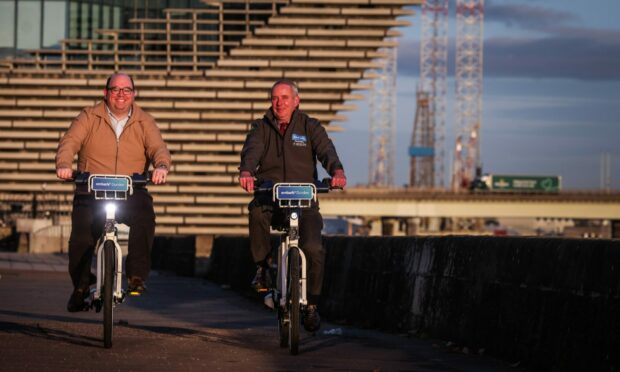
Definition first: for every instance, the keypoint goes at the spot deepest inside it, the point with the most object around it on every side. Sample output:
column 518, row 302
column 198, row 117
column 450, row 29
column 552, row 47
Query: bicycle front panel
column 294, row 195
column 110, row 187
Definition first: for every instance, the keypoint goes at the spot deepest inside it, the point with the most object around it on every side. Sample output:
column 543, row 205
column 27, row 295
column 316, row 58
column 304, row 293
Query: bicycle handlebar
column 322, row 186
column 137, row 180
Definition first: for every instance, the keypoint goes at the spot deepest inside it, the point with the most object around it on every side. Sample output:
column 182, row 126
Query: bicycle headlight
column 294, row 216
column 110, row 210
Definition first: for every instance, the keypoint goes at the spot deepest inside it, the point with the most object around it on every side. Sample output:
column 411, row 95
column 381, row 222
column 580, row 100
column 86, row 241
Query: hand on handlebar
column 64, row 173
column 246, row 180
column 159, row 176
column 339, row 180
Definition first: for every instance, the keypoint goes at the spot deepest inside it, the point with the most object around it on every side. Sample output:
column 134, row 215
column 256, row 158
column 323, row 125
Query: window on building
column 29, row 24
column 54, row 22
column 7, row 23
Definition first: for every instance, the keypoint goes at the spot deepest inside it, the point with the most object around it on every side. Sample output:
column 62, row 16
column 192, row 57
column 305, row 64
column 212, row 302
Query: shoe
column 312, row 320
column 135, row 286
column 76, row 301
column 261, row 281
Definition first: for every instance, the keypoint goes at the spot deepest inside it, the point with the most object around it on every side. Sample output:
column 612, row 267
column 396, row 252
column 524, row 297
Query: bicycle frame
column 283, row 251
column 110, row 235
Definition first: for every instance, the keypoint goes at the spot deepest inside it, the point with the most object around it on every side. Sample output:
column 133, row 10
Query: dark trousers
column 262, row 215
column 87, row 220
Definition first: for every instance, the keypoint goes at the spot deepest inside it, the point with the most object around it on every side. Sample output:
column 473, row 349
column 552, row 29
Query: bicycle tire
column 294, row 310
column 109, row 255
column 283, row 326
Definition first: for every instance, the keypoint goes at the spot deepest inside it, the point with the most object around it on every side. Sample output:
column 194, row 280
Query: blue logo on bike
column 299, row 140
column 295, row 192
column 109, row 184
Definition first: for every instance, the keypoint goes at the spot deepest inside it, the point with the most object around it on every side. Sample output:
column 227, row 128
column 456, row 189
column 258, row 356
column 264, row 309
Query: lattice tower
column 469, row 46
column 421, row 167
column 382, row 111
column 606, row 171
column 433, row 82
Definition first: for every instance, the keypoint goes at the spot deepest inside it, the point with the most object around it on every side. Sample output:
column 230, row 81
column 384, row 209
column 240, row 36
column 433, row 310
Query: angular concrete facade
column 204, row 74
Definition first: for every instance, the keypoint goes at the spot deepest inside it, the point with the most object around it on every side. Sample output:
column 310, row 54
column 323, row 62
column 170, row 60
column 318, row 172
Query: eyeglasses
column 117, row 90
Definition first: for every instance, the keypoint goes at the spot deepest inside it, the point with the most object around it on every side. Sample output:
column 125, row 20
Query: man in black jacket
column 284, row 146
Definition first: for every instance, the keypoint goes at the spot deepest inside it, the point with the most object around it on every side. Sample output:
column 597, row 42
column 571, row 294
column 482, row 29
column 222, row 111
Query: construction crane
column 469, row 46
column 382, row 111
column 427, row 149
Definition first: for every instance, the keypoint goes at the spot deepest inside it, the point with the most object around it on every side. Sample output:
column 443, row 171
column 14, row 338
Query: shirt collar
column 114, row 117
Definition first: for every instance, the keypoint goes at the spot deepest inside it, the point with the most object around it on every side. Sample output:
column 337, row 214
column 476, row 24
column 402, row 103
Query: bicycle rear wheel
column 294, row 311
column 109, row 253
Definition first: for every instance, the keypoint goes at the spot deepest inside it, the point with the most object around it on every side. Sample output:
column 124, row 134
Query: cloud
column 569, row 53
column 527, row 16
column 583, row 54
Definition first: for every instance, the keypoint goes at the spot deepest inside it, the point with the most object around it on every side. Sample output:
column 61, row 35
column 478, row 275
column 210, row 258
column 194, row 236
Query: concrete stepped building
column 204, row 73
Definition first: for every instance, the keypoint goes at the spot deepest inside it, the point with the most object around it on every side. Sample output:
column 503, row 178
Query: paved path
column 184, row 324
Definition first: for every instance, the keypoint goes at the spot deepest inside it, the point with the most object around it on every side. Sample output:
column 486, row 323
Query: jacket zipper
column 282, row 149
column 118, row 144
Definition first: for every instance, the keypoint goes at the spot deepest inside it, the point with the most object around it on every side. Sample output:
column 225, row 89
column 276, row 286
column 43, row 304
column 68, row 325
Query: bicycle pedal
column 134, row 293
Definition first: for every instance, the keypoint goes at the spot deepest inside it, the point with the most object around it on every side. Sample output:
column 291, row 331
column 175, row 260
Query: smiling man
column 284, row 146
column 115, row 137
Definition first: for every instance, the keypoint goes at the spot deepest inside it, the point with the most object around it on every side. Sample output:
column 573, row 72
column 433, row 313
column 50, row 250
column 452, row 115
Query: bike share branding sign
column 294, row 192
column 109, row 184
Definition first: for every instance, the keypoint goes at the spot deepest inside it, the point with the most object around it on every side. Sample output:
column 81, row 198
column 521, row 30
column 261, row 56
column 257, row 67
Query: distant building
column 36, row 24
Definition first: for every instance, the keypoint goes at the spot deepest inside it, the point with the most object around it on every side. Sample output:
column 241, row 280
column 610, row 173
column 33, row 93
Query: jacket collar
column 136, row 113
column 271, row 118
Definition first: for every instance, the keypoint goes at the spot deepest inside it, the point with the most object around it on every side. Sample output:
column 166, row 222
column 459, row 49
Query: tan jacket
column 92, row 137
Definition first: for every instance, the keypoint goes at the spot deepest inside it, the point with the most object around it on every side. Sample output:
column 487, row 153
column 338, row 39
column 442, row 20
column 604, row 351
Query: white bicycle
column 108, row 291
column 289, row 293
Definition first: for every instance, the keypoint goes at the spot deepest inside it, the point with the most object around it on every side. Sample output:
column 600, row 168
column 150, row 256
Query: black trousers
column 263, row 213
column 87, row 220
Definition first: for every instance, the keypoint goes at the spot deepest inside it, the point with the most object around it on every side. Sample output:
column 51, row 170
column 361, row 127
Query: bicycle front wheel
column 283, row 327
column 294, row 311
column 109, row 269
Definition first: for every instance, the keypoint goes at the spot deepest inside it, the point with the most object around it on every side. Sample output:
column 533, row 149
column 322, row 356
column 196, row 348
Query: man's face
column 119, row 94
column 283, row 102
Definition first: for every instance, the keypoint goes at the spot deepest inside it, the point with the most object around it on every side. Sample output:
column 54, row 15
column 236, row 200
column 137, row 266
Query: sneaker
column 136, row 286
column 76, row 301
column 261, row 281
column 312, row 320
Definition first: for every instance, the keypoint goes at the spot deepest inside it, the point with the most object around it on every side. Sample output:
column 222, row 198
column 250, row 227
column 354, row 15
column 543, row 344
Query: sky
column 551, row 94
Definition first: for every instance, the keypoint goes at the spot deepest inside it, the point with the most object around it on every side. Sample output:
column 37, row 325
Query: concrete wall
column 551, row 304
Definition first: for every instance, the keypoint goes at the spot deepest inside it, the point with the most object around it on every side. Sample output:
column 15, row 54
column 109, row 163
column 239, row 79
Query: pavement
column 34, row 262
column 187, row 324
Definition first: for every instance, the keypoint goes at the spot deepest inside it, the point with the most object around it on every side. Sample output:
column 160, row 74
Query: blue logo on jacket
column 299, row 140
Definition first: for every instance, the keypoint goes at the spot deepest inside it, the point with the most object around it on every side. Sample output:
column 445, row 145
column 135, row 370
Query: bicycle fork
column 110, row 235
column 291, row 241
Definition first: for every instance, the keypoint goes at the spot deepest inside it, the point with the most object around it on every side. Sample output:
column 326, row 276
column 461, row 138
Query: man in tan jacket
column 113, row 137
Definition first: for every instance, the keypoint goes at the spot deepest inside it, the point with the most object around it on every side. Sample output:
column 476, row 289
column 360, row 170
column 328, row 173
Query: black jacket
column 290, row 158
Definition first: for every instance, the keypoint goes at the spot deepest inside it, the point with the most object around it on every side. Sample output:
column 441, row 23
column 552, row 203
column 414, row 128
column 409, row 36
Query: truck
column 517, row 183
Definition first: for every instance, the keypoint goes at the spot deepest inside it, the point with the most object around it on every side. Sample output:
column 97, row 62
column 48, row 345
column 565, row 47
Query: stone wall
column 551, row 304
